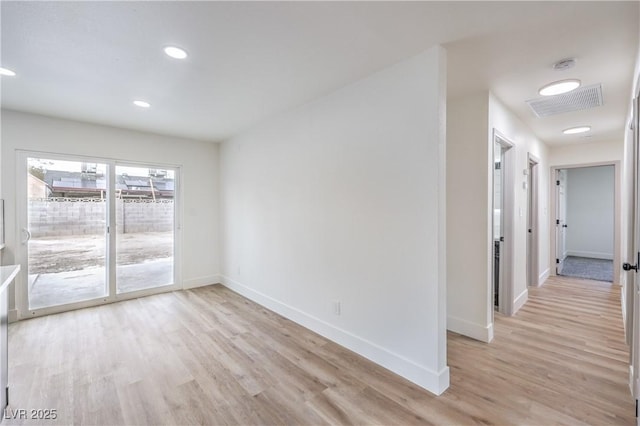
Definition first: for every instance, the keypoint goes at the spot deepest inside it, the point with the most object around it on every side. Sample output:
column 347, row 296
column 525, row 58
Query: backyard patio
column 67, row 269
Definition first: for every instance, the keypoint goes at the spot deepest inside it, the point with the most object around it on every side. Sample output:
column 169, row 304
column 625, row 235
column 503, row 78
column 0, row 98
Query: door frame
column 21, row 250
column 505, row 296
column 533, row 221
column 560, row 222
column 617, row 213
column 632, row 280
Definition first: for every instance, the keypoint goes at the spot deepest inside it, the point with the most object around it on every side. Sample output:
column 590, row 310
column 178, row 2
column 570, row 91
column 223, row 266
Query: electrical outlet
column 337, row 308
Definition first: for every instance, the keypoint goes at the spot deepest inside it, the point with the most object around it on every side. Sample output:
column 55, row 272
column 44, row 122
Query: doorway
column 94, row 231
column 502, row 224
column 585, row 222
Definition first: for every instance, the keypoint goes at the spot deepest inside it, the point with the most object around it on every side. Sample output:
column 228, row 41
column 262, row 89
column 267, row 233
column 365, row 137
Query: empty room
column 286, row 213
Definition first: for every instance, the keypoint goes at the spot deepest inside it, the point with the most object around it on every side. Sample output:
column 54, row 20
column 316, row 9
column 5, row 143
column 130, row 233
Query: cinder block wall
column 54, row 218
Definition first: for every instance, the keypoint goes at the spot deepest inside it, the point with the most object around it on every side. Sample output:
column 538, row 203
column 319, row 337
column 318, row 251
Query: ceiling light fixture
column 142, row 104
column 7, row 72
column 574, row 130
column 559, row 87
column 175, row 52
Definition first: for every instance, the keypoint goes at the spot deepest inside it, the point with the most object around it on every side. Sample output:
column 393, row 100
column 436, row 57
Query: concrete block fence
column 53, row 217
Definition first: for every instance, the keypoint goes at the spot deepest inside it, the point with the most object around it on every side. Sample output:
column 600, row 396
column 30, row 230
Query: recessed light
column 175, row 52
column 559, row 87
column 7, row 72
column 142, row 104
column 574, row 130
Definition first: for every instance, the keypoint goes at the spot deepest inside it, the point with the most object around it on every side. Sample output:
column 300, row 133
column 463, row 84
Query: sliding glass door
column 95, row 231
column 145, row 222
column 66, row 231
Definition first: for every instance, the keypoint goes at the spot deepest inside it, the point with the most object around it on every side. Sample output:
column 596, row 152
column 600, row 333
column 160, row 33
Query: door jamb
column 505, row 302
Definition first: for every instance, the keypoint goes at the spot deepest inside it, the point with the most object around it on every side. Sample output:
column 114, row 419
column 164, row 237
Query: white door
column 632, row 264
column 561, row 219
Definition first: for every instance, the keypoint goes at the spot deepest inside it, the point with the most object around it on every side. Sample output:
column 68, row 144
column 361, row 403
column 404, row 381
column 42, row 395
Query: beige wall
column 468, row 238
column 585, row 153
column 37, row 188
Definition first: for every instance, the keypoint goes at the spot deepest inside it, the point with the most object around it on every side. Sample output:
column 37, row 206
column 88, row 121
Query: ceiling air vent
column 582, row 98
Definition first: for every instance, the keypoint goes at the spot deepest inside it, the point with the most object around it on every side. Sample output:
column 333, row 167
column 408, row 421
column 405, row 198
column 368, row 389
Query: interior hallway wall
column 525, row 142
column 469, row 217
column 590, row 212
column 334, row 216
column 470, row 126
column 585, row 153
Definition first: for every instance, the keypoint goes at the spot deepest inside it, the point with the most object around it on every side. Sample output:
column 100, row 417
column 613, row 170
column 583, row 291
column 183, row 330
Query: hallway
column 561, row 359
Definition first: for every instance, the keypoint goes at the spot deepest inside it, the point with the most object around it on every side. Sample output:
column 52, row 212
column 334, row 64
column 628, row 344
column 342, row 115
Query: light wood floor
column 210, row 356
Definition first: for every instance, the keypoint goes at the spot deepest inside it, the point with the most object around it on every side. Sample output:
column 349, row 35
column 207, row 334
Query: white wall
column 590, row 212
column 198, row 160
column 468, row 238
column 470, row 124
column 342, row 199
column 585, row 153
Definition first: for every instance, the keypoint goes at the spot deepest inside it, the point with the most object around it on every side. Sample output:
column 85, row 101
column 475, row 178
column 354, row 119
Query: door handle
column 26, row 231
column 565, row 226
column 627, row 266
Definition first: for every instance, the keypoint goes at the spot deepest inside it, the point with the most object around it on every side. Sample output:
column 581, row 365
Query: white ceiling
column 250, row 60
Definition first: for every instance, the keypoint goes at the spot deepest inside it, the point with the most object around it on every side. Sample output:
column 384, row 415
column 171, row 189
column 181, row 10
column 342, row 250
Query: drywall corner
column 468, row 242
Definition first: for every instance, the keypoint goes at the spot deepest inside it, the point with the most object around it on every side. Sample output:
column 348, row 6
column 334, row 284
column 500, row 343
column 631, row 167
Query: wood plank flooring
column 209, row 356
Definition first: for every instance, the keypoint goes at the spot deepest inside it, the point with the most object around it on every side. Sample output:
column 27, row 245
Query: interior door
column 561, row 219
column 632, row 277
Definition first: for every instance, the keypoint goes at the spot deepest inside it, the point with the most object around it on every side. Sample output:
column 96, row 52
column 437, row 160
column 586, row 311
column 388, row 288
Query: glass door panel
column 66, row 226
column 145, row 217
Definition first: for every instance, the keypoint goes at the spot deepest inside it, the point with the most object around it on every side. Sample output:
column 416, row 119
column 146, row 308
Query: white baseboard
column 590, row 254
column 435, row 382
column 470, row 329
column 13, row 315
column 201, row 282
column 520, row 300
column 543, row 276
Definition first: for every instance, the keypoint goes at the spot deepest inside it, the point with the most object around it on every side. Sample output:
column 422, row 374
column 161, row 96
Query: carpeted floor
column 591, row 269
